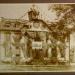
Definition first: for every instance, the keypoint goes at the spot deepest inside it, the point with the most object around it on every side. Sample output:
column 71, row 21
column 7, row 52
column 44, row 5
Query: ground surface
column 6, row 67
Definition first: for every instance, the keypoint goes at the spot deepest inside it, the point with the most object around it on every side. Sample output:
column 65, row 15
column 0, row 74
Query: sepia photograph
column 37, row 37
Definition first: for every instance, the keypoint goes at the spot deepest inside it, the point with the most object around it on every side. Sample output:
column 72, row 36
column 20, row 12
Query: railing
column 9, row 29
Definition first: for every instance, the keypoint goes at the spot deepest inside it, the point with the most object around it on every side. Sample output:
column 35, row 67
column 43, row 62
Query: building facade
column 31, row 39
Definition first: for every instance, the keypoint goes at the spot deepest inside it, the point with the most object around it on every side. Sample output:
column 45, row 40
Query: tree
column 65, row 23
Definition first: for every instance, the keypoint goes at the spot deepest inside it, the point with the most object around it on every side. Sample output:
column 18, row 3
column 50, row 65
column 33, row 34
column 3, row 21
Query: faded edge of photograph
column 37, row 37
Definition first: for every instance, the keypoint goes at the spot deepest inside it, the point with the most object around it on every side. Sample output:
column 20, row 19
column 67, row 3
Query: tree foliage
column 65, row 23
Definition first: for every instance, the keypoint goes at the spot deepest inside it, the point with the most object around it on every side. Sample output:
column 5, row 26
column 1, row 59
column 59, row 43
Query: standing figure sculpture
column 26, row 45
column 16, row 48
column 52, row 49
column 49, row 43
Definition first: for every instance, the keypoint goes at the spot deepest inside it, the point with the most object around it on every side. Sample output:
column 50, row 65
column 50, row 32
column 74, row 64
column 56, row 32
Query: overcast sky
column 17, row 10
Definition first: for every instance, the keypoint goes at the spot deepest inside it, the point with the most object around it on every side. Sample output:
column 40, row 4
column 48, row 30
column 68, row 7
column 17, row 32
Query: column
column 2, row 49
column 67, row 50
